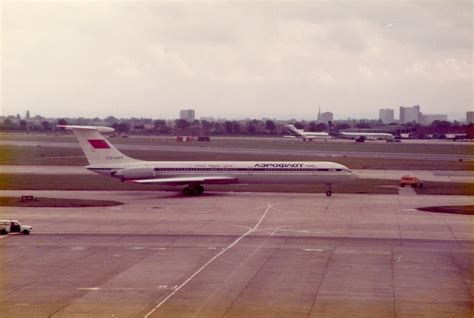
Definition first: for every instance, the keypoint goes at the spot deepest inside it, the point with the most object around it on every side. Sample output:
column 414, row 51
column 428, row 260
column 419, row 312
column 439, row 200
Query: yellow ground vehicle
column 412, row 181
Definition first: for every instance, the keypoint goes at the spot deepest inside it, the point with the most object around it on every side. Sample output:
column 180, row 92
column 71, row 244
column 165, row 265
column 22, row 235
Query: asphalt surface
column 239, row 255
column 425, row 175
column 257, row 151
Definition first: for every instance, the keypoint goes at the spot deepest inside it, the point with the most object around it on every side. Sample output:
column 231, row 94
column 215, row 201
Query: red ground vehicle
column 412, row 181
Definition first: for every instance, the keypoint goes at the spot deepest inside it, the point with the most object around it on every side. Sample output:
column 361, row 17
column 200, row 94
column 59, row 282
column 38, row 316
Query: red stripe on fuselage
column 99, row 143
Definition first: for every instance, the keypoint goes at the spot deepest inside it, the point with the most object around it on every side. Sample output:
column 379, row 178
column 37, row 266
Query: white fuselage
column 367, row 135
column 249, row 172
column 307, row 135
column 314, row 135
column 105, row 159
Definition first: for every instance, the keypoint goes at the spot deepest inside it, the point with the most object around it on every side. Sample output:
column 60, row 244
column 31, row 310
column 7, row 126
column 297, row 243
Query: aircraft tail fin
column 96, row 148
column 331, row 126
column 332, row 130
column 293, row 129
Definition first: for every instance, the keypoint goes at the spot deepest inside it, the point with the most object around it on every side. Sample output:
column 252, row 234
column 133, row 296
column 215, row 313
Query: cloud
column 259, row 58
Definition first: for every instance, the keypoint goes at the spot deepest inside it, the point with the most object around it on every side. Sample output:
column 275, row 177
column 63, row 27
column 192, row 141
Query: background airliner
column 307, row 135
column 105, row 159
column 360, row 136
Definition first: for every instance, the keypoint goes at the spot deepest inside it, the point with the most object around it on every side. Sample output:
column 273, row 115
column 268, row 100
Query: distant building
column 386, row 115
column 325, row 117
column 27, row 115
column 209, row 119
column 187, row 114
column 470, row 117
column 410, row 114
column 429, row 119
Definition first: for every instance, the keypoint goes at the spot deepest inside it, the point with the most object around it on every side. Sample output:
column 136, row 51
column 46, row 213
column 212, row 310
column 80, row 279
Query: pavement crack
column 321, row 282
column 203, row 267
column 253, row 276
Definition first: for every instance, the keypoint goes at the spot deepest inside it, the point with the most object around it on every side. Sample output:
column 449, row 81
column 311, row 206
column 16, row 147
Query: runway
column 425, row 175
column 239, row 255
column 258, row 151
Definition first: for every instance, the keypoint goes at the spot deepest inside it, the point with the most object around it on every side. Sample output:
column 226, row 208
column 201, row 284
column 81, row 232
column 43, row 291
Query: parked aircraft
column 455, row 137
column 307, row 135
column 105, row 159
column 360, row 136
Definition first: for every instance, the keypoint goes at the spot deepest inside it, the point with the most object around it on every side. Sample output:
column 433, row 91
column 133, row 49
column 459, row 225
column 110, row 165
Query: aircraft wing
column 101, row 129
column 187, row 180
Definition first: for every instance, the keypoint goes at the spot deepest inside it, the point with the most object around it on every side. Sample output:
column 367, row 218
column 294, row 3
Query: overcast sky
column 236, row 59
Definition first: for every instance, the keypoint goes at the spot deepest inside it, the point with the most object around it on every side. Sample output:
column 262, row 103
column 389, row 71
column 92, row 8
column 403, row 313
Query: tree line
column 224, row 127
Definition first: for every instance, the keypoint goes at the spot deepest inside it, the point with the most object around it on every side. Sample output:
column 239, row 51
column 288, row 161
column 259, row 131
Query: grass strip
column 454, row 209
column 93, row 182
column 265, row 143
column 445, row 188
column 55, row 203
column 52, row 156
column 96, row 182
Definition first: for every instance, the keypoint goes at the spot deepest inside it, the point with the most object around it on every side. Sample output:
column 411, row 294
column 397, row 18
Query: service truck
column 13, row 226
column 412, row 181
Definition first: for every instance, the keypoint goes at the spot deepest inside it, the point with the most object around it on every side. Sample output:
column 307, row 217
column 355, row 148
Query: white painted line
column 313, row 249
column 137, row 248
column 125, row 288
column 138, row 288
column 297, row 231
column 212, row 247
column 398, row 260
column 263, row 216
column 196, row 273
column 158, row 248
column 22, row 304
column 241, row 226
column 116, row 255
column 78, row 248
column 178, row 288
column 407, row 191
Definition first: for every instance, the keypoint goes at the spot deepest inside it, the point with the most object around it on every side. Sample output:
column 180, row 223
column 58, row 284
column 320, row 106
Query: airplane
column 455, row 137
column 361, row 136
column 306, row 135
column 105, row 159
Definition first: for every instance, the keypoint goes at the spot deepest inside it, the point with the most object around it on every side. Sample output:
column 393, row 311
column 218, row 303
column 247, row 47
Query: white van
column 13, row 226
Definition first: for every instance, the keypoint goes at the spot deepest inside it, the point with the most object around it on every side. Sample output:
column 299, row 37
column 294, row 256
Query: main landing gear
column 193, row 190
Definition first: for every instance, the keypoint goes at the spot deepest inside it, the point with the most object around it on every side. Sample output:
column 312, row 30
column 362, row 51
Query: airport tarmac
column 238, row 255
column 311, row 153
column 386, row 174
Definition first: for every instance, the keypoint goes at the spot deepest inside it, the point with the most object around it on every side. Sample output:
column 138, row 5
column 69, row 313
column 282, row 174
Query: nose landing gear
column 329, row 191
